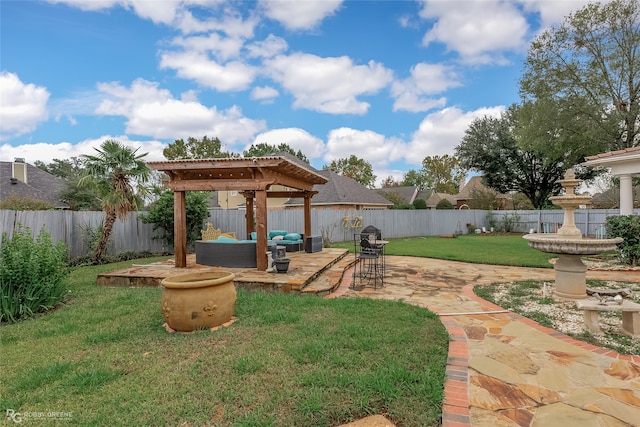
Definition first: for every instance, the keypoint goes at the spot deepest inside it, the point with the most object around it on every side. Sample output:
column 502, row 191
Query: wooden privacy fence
column 73, row 227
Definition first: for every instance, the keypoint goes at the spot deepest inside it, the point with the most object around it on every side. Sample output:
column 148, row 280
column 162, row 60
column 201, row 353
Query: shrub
column 420, row 204
column 160, row 214
column 17, row 203
column 31, row 274
column 444, row 204
column 627, row 227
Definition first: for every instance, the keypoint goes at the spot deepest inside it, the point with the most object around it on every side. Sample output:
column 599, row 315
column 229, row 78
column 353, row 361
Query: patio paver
column 504, row 369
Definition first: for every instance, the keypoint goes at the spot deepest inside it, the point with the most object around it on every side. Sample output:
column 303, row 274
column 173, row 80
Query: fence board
column 131, row 234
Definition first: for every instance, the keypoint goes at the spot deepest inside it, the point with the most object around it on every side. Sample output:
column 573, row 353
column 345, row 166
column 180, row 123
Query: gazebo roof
column 240, row 174
column 621, row 161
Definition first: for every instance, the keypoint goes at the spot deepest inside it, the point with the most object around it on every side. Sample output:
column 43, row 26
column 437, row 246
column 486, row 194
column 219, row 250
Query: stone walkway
column 504, row 369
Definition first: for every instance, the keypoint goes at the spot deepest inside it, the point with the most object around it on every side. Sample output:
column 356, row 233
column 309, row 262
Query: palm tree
column 111, row 173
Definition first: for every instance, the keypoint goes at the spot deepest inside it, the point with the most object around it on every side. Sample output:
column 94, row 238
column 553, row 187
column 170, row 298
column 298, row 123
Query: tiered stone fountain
column 569, row 244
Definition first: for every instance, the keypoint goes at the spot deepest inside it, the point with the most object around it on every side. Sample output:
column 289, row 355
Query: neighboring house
column 463, row 199
column 341, row 192
column 465, row 196
column 610, row 199
column 235, row 199
column 23, row 180
column 406, row 194
column 435, row 198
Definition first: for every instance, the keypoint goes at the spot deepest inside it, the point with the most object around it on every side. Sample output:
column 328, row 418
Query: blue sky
column 389, row 81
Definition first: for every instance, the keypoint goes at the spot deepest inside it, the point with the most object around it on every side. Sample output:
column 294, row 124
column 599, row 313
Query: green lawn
column 481, row 249
column 288, row 360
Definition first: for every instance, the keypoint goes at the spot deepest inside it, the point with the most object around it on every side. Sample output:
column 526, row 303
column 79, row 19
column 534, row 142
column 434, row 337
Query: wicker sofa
column 224, row 252
column 294, row 242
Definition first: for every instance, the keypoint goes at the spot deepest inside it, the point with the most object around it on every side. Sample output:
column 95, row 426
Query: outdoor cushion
column 277, row 238
column 225, row 239
column 292, row 236
column 274, row 233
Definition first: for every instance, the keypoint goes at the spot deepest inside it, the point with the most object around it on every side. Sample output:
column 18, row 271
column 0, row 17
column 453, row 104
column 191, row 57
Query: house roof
column 612, row 156
column 436, row 197
column 407, row 192
column 342, row 190
column 474, row 183
column 40, row 185
column 621, row 162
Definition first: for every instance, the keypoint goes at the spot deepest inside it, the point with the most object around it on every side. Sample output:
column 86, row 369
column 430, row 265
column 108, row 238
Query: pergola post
column 180, row 228
column 248, row 203
column 261, row 229
column 307, row 214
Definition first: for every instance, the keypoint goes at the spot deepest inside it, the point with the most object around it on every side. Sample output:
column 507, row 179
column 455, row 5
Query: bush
column 627, row 227
column 31, row 274
column 420, row 204
column 17, row 203
column 444, row 204
column 160, row 214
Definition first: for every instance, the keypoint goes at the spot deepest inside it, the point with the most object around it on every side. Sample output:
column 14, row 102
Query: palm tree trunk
column 109, row 220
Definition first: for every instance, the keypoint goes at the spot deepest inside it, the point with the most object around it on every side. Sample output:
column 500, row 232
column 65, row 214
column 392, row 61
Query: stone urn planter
column 282, row 265
column 198, row 300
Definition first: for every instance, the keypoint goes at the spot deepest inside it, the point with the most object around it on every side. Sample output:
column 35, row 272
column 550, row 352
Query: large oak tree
column 587, row 72
column 490, row 146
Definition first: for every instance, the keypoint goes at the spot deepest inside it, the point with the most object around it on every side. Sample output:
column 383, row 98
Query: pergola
column 252, row 177
column 624, row 164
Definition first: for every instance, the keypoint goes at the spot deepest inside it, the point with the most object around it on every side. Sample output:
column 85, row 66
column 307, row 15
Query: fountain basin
column 559, row 244
column 570, row 271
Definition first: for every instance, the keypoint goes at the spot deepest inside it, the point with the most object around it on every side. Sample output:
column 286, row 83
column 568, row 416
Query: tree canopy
column 415, row 178
column 78, row 197
column 354, row 167
column 443, row 173
column 193, row 148
column 263, row 149
column 586, row 72
column 489, row 146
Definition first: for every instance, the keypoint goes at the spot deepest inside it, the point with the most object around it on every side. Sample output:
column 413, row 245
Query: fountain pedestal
column 571, row 274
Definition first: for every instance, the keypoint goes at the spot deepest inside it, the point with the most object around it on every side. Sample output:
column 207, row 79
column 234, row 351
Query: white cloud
column 299, row 15
column 46, row 152
column 298, row 139
column 554, row 12
column 440, row 132
column 232, row 76
column 88, row 4
column 22, row 106
column 225, row 19
column 221, row 47
column 267, row 48
column 154, row 112
column 426, row 79
column 266, row 94
column 375, row 148
column 479, row 31
column 328, row 85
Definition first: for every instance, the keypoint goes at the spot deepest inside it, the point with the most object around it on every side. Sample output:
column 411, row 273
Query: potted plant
column 282, row 264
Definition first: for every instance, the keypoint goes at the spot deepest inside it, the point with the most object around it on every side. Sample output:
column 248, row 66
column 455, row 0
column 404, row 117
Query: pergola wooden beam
column 251, row 176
